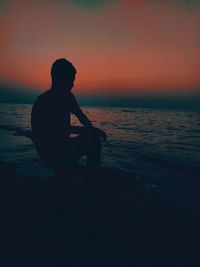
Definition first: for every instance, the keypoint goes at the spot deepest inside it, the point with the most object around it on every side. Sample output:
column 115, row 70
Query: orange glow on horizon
column 130, row 45
column 39, row 78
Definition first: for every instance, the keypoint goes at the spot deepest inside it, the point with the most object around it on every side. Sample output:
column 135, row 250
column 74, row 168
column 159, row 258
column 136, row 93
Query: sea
column 160, row 144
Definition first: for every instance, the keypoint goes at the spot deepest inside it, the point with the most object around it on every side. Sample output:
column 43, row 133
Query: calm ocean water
column 161, row 144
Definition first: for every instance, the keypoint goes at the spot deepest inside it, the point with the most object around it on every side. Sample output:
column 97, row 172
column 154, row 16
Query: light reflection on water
column 156, row 143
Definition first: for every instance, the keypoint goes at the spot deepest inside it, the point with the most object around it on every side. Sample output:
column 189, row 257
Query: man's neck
column 59, row 90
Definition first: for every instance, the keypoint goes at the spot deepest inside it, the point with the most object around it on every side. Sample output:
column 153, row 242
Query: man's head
column 63, row 74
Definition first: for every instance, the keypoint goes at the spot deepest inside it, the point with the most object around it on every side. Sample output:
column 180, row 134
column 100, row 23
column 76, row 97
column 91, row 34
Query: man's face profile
column 63, row 75
column 68, row 81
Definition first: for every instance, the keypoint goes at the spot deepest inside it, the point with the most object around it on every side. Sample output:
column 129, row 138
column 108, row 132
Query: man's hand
column 101, row 133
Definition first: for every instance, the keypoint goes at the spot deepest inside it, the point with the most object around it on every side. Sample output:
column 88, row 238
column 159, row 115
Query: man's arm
column 80, row 129
column 83, row 118
column 76, row 129
column 76, row 110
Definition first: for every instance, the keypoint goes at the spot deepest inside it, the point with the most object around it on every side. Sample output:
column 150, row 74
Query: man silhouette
column 50, row 121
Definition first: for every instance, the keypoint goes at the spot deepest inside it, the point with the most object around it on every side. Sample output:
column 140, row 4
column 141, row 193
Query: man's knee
column 96, row 140
column 92, row 135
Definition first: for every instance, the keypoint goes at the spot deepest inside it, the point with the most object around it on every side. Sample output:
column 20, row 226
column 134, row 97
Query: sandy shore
column 109, row 219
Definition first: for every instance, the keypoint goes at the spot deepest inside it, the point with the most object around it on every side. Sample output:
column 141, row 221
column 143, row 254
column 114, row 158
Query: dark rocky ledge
column 101, row 219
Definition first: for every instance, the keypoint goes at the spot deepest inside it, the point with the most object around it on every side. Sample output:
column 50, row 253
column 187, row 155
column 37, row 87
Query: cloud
column 91, row 4
column 187, row 4
column 3, row 6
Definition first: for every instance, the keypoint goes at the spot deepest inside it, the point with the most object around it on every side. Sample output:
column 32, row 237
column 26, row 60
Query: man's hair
column 62, row 68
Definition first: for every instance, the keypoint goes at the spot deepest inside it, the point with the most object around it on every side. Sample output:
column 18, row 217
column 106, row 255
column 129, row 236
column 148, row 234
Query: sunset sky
column 118, row 47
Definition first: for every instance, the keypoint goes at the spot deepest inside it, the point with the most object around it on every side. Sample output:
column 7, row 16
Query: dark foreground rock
column 61, row 221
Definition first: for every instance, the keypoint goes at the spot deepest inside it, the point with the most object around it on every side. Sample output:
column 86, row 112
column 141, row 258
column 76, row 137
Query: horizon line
column 167, row 106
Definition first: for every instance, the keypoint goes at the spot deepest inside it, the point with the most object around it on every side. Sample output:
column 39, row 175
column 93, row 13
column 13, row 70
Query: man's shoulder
column 41, row 101
column 44, row 96
column 47, row 93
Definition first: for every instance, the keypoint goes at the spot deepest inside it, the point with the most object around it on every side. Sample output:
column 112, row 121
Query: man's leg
column 89, row 143
column 94, row 152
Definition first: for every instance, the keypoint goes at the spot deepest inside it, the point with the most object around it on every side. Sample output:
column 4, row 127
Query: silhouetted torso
column 50, row 122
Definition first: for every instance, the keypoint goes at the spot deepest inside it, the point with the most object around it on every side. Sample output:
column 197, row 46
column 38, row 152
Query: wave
column 158, row 144
column 128, row 110
column 172, row 163
column 9, row 128
column 18, row 130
